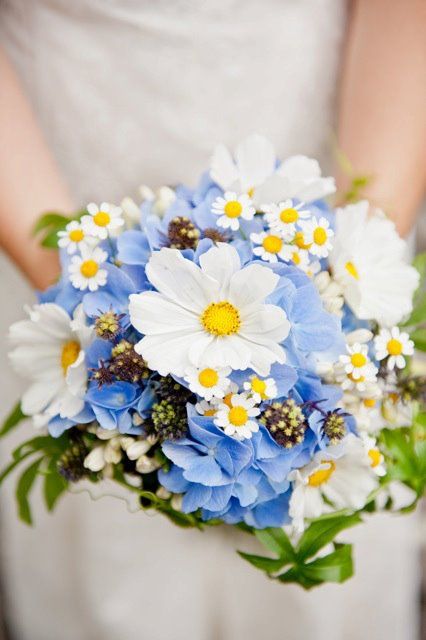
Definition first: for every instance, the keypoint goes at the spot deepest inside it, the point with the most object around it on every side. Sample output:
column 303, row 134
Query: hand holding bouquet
column 239, row 353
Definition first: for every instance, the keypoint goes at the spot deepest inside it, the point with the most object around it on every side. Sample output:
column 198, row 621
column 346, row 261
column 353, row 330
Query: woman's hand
column 30, row 183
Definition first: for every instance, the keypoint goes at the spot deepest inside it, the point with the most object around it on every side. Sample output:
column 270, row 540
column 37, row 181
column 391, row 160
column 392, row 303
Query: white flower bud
column 322, row 280
column 176, row 501
column 137, row 449
column 113, row 452
column 146, row 465
column 165, row 197
column 163, row 493
column 106, row 434
column 95, row 460
column 359, row 335
column 131, row 212
column 146, row 193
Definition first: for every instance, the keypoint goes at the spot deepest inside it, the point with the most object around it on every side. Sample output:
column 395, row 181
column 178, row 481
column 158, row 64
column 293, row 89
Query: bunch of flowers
column 236, row 353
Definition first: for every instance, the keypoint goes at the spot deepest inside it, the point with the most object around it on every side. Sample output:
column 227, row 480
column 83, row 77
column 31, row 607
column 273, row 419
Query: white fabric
column 132, row 91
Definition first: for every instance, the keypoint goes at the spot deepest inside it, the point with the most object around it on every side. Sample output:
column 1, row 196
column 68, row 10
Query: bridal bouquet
column 237, row 353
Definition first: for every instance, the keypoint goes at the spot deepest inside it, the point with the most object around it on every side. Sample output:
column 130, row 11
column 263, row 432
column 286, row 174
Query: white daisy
column 212, row 316
column 356, row 362
column 205, row 408
column 377, row 459
column 341, row 475
column 207, row 382
column 73, row 238
column 284, row 216
column 317, row 234
column 299, row 257
column 231, row 208
column 102, row 220
column 261, row 388
column 49, row 350
column 85, row 270
column 255, row 171
column 270, row 246
column 368, row 261
column 236, row 419
column 393, row 344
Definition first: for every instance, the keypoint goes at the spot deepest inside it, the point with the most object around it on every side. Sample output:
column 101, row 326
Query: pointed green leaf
column 334, row 567
column 295, row 575
column 12, row 465
column 50, row 219
column 270, row 565
column 54, row 485
column 277, row 541
column 322, row 532
column 23, row 488
column 13, row 419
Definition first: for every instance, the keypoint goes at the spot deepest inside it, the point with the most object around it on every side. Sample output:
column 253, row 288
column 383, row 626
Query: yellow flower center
column 208, row 378
column 322, row 475
column 238, row 416
column 375, row 457
column 102, row 219
column 258, row 386
column 369, row 403
column 221, row 319
column 89, row 268
column 76, row 235
column 352, row 270
column 295, row 257
column 69, row 354
column 320, row 235
column 289, row 215
column 233, row 209
column 358, row 359
column 299, row 241
column 272, row 244
column 360, row 379
column 394, row 347
column 250, row 192
column 394, row 397
column 210, row 412
column 227, row 399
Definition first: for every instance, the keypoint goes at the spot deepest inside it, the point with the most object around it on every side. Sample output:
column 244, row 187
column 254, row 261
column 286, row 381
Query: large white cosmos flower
column 368, row 261
column 255, row 171
column 209, row 316
column 49, row 350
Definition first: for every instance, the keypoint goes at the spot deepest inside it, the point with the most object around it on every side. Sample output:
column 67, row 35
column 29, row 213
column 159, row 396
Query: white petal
column 153, row 314
column 38, row 396
column 168, row 355
column 223, row 169
column 255, row 158
column 251, row 285
column 220, row 263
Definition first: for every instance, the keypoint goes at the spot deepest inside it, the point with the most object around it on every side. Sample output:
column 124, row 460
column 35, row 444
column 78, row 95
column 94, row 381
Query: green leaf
column 296, row 575
column 334, row 567
column 23, row 488
column 13, row 419
column 322, row 532
column 50, row 241
column 50, row 219
column 270, row 565
column 54, row 485
column 12, row 465
column 277, row 541
column 419, row 339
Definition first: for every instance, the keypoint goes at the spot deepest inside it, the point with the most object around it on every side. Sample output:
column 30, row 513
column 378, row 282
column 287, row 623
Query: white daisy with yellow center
column 73, row 238
column 236, row 418
column 299, row 257
column 356, row 362
column 206, row 409
column 377, row 460
column 261, row 388
column 284, row 216
column 86, row 270
column 103, row 220
column 232, row 208
column 318, row 235
column 269, row 246
column 393, row 344
column 339, row 477
column 208, row 316
column 49, row 349
column 208, row 383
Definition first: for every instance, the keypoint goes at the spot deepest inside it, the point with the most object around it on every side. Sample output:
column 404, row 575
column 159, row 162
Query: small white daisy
column 206, row 409
column 317, row 234
column 102, row 220
column 208, row 383
column 284, row 216
column 394, row 345
column 261, row 389
column 356, row 361
column 375, row 455
column 236, row 419
column 85, row 270
column 231, row 207
column 73, row 237
column 269, row 247
column 299, row 257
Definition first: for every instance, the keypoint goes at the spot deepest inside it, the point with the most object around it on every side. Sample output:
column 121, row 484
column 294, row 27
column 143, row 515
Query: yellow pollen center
column 238, row 416
column 258, row 386
column 227, row 400
column 322, row 475
column 369, row 403
column 375, row 457
column 208, row 378
column 76, row 235
column 352, row 270
column 358, row 359
column 295, row 257
column 102, row 218
column 289, row 215
column 360, row 379
column 272, row 244
column 233, row 209
column 394, row 347
column 221, row 319
column 89, row 268
column 69, row 354
column 299, row 241
column 394, row 398
column 320, row 235
column 210, row 412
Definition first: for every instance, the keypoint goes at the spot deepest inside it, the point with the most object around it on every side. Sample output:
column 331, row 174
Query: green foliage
column 14, row 418
column 48, row 225
column 416, row 323
column 300, row 561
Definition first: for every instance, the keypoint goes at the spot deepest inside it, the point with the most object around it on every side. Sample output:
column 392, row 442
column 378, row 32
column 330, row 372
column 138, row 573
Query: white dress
column 139, row 91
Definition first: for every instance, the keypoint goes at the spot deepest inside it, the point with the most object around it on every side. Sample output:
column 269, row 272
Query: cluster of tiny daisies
column 232, row 349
